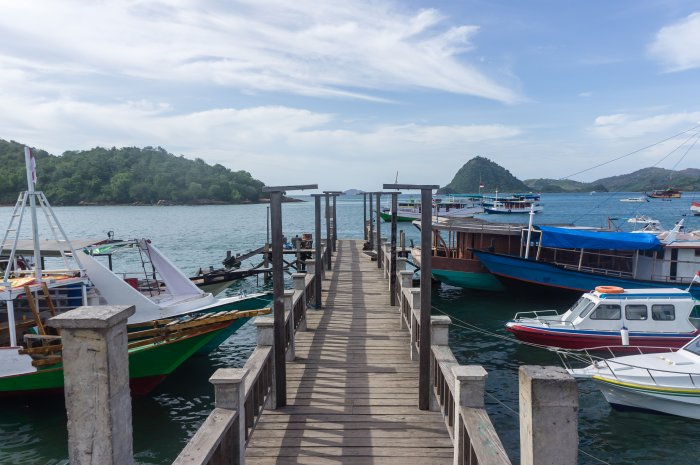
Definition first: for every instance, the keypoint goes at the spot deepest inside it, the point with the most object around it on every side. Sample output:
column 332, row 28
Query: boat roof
column 567, row 238
column 645, row 293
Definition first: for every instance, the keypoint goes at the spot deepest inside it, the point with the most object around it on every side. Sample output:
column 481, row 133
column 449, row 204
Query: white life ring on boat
column 609, row 289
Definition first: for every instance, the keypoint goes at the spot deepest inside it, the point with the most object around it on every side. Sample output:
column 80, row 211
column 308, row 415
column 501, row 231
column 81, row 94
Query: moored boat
column 452, row 206
column 663, row 381
column 579, row 260
column 695, row 208
column 635, row 199
column 613, row 316
column 668, row 193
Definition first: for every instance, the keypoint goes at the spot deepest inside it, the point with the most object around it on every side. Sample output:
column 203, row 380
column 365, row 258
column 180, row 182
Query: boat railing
column 595, row 355
column 533, row 314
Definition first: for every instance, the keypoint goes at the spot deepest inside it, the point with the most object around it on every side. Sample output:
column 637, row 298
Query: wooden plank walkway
column 352, row 392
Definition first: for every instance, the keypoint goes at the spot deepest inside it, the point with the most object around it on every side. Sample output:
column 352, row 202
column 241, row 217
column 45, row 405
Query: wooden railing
column 242, row 394
column 458, row 393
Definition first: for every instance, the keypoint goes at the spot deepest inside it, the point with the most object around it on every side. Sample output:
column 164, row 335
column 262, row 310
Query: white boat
column 635, row 199
column 451, row 206
column 159, row 290
column 646, row 224
column 664, row 381
column 695, row 208
column 613, row 316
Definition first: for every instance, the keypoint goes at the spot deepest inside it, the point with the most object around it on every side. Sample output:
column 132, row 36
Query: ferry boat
column 635, row 199
column 668, row 193
column 663, row 381
column 512, row 204
column 613, row 316
column 446, row 207
column 579, row 260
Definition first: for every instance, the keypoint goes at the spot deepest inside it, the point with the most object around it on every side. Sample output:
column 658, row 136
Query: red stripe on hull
column 577, row 341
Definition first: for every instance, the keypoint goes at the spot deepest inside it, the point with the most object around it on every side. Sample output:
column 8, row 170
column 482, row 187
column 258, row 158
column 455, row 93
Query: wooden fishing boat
column 156, row 349
column 668, row 193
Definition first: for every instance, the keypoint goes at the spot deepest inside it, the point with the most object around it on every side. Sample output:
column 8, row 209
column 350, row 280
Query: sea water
column 33, row 430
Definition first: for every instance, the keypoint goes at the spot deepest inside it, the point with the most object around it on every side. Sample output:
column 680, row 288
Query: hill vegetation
column 482, row 170
column 124, row 176
column 493, row 176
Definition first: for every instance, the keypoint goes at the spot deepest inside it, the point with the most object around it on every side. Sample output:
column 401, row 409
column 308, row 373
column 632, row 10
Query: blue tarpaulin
column 598, row 240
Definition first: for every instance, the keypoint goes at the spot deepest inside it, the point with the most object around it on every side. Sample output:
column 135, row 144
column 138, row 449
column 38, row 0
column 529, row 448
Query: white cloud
column 320, row 48
column 632, row 126
column 677, row 46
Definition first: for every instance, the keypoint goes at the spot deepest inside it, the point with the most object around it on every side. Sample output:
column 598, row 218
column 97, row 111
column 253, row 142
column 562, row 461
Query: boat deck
column 352, row 392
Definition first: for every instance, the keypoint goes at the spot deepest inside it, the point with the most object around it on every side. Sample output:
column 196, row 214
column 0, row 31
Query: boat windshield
column 580, row 309
column 693, row 346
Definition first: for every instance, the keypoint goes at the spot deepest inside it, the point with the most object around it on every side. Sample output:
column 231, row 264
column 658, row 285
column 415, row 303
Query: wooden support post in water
column 335, row 224
column 96, row 384
column 379, row 229
column 392, row 271
column 364, row 215
column 548, row 416
column 329, row 241
column 425, row 287
column 278, row 287
column 371, row 223
column 317, row 249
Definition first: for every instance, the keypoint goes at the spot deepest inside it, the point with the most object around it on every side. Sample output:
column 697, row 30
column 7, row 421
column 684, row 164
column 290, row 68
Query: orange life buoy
column 609, row 289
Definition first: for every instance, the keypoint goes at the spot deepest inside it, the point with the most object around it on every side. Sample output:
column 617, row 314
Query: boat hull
column 586, row 339
column 673, row 401
column 548, row 275
column 148, row 366
column 400, row 218
column 469, row 280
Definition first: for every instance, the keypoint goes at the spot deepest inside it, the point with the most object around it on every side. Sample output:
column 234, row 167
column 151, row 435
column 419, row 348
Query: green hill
column 124, row 176
column 482, row 170
column 563, row 185
column 644, row 180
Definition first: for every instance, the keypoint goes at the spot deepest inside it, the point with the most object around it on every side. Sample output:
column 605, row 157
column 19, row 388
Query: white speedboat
column 612, row 316
column 667, row 382
column 635, row 199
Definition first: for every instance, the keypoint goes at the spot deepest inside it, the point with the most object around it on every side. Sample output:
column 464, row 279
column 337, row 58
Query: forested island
column 482, row 171
column 127, row 175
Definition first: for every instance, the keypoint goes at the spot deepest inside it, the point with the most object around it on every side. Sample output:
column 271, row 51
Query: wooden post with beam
column 317, row 250
column 280, row 368
column 426, row 230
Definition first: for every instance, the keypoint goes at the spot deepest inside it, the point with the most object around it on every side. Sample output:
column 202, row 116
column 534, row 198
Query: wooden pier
column 352, row 389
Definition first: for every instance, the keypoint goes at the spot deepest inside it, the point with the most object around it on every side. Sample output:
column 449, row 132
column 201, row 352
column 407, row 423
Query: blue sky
column 345, row 94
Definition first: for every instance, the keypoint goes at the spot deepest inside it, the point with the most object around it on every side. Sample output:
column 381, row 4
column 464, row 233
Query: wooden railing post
column 401, row 264
column 289, row 308
column 406, row 278
column 548, row 416
column 300, row 286
column 96, row 384
column 229, row 394
column 470, row 387
column 439, row 336
column 415, row 307
column 265, row 337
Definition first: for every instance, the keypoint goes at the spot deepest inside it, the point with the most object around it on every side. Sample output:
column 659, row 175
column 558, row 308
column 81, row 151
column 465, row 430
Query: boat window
column 587, row 309
column 607, row 312
column 694, row 316
column 663, row 312
column 693, row 346
column 697, row 252
column 581, row 308
column 636, row 312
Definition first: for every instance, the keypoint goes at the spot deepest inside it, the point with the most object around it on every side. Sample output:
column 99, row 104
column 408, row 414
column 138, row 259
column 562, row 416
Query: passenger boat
column 635, row 199
column 664, row 381
column 446, row 207
column 647, row 224
column 695, row 208
column 668, row 193
column 453, row 259
column 512, row 204
column 613, row 316
column 579, row 260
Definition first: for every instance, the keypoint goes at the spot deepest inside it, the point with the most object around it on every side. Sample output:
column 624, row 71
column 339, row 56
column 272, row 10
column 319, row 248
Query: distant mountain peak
column 480, row 171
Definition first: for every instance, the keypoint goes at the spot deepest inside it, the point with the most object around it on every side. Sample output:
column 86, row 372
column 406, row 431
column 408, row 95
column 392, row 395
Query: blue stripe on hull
column 546, row 274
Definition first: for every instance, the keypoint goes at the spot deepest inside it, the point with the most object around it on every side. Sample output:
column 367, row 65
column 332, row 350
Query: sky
column 354, row 94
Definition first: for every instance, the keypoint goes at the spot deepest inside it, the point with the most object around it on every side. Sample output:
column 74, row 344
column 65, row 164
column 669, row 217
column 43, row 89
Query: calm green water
column 32, row 431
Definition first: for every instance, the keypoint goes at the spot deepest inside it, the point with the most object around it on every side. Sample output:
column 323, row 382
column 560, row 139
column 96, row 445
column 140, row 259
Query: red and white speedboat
column 695, row 208
column 613, row 316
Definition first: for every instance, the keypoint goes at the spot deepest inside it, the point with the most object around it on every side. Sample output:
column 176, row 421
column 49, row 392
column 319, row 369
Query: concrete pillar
column 300, row 286
column 229, row 394
column 548, row 416
column 265, row 337
column 406, row 279
column 470, row 386
column 96, row 380
column 289, row 308
column 414, row 301
column 401, row 263
column 439, row 329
